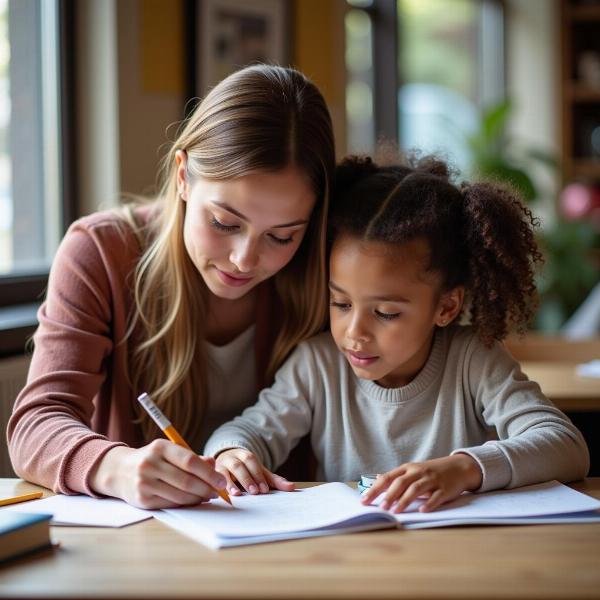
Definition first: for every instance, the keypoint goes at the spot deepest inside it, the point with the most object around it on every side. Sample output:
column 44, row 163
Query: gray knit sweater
column 467, row 398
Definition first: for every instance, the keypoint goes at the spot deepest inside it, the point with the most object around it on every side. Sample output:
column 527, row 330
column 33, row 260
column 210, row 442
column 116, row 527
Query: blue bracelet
column 365, row 482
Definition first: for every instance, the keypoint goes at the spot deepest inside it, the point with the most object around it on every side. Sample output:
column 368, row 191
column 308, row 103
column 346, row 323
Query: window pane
column 30, row 211
column 6, row 213
column 439, row 69
column 359, row 73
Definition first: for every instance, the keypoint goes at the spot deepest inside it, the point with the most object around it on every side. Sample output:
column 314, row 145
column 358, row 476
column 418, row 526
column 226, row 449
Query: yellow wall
column 318, row 51
column 161, row 36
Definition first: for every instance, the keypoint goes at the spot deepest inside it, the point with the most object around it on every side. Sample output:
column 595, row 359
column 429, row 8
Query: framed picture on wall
column 236, row 33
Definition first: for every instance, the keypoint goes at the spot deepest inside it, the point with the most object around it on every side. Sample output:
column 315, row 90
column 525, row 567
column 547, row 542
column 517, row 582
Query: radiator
column 13, row 373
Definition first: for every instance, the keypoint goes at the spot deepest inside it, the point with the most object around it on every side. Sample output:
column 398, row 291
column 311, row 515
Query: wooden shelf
column 588, row 168
column 581, row 92
column 585, row 13
column 579, row 32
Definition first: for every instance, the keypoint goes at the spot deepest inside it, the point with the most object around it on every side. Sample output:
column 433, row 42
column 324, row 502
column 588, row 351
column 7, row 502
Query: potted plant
column 569, row 271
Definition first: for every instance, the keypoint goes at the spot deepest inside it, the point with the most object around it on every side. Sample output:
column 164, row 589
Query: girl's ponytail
column 351, row 171
column 479, row 235
column 503, row 254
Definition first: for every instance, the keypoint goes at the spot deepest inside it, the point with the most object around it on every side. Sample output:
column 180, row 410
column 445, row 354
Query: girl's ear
column 449, row 306
column 182, row 183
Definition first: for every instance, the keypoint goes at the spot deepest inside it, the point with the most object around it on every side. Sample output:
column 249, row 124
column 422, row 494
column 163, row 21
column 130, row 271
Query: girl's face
column 239, row 232
column 384, row 308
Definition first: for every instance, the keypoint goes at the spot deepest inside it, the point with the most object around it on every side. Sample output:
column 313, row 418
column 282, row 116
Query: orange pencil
column 159, row 418
column 23, row 498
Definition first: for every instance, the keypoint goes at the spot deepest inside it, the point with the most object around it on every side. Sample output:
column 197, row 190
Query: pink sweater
column 78, row 403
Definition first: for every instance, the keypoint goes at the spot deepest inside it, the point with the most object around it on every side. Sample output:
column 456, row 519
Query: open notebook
column 335, row 508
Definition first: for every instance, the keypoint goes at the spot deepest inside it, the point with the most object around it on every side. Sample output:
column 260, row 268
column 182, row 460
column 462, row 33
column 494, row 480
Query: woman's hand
column 159, row 475
column 238, row 464
column 439, row 480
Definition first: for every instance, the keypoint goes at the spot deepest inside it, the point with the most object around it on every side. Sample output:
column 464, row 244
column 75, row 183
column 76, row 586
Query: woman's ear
column 182, row 182
column 449, row 306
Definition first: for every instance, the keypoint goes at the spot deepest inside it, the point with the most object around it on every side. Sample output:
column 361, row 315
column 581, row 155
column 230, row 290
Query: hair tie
column 353, row 169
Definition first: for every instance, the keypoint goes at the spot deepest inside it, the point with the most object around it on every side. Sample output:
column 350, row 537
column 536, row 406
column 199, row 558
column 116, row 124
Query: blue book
column 22, row 533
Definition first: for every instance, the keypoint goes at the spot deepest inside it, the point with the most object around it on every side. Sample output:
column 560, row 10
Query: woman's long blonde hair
column 261, row 118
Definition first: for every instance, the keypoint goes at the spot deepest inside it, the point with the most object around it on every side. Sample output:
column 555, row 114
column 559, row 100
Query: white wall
column 533, row 76
column 98, row 112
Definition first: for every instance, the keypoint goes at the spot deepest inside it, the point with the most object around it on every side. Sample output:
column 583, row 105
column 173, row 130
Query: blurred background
column 91, row 91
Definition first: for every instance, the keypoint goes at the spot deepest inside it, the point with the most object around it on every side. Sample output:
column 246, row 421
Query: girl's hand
column 440, row 480
column 159, row 475
column 238, row 464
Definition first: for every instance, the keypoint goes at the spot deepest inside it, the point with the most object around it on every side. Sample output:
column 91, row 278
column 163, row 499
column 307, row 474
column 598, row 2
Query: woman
column 195, row 298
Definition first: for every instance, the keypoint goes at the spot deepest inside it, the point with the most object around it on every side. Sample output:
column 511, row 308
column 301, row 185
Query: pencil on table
column 23, row 498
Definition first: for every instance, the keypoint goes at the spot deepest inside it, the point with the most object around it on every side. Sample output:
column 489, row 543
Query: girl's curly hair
column 480, row 235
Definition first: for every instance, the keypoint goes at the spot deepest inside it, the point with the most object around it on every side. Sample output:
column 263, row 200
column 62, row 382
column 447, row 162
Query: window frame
column 386, row 43
column 15, row 289
column 386, row 78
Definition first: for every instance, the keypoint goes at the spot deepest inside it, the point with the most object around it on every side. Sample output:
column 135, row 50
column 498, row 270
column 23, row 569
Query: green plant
column 569, row 271
column 494, row 155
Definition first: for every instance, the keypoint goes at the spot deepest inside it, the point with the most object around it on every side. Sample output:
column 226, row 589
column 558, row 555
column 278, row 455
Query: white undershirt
column 231, row 381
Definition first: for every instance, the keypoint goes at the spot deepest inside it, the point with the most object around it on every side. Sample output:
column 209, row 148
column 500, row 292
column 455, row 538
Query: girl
column 195, row 298
column 399, row 387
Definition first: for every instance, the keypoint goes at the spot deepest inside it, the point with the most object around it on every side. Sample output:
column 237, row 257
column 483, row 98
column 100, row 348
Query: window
column 36, row 199
column 434, row 64
column 444, row 80
column 30, row 153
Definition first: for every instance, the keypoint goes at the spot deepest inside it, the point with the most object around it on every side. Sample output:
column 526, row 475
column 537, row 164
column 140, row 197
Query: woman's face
column 239, row 232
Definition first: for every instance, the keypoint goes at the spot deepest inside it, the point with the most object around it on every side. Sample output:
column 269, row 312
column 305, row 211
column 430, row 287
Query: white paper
column 589, row 369
column 276, row 513
column 550, row 498
column 321, row 510
column 335, row 508
column 83, row 510
column 590, row 516
column 212, row 540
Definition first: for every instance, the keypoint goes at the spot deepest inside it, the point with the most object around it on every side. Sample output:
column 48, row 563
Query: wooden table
column 559, row 382
column 551, row 361
column 149, row 560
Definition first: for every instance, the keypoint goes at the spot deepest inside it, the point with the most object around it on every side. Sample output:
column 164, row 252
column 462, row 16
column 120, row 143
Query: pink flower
column 578, row 201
